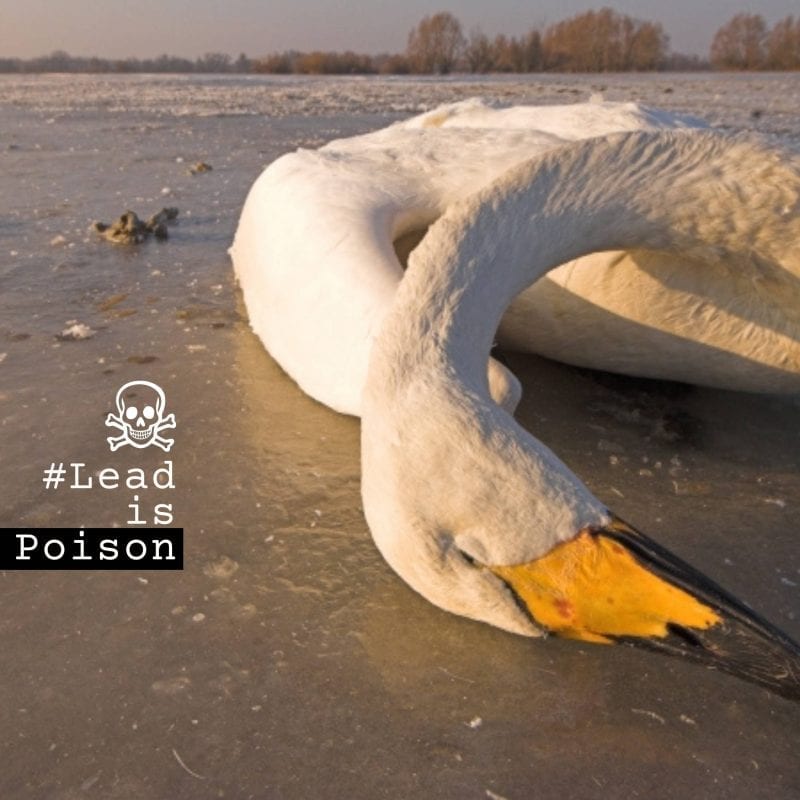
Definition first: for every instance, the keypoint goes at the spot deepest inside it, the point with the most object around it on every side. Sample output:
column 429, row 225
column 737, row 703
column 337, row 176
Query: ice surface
column 766, row 101
column 287, row 660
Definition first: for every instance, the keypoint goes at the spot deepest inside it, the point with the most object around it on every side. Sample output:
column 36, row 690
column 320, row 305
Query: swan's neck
column 701, row 195
column 436, row 452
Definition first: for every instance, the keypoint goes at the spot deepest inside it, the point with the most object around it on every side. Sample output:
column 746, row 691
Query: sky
column 190, row 28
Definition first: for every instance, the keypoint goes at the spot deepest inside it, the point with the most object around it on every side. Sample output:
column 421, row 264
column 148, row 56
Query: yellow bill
column 615, row 585
column 592, row 588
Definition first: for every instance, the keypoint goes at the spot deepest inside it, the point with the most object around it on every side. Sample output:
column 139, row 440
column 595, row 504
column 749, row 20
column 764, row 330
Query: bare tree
column 604, row 41
column 242, row 64
column 783, row 44
column 531, row 55
column 435, row 44
column 645, row 47
column 740, row 43
column 504, row 54
column 478, row 52
column 214, row 62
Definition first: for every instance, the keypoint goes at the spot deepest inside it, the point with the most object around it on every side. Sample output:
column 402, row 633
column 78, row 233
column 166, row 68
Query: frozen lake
column 287, row 660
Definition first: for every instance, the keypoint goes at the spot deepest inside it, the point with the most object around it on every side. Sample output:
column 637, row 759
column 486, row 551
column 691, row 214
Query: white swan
column 313, row 253
column 470, row 509
column 466, row 506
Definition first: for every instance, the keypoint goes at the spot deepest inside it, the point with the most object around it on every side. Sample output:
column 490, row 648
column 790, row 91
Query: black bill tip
column 742, row 643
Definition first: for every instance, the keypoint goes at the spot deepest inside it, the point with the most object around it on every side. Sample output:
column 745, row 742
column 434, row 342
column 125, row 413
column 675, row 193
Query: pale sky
column 189, row 28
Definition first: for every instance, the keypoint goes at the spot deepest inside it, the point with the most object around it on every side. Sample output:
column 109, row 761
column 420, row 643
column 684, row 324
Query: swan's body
column 313, row 253
column 470, row 509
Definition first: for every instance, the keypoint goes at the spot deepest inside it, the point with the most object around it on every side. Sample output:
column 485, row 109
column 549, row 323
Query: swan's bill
column 615, row 585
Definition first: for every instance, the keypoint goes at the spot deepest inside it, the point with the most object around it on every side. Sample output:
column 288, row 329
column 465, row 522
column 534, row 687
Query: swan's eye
column 467, row 557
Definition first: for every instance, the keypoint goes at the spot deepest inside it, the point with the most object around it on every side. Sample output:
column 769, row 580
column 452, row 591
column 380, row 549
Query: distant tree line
column 745, row 42
column 594, row 41
column 317, row 62
column 59, row 61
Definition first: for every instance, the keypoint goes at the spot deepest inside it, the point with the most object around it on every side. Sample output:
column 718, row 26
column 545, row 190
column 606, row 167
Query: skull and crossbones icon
column 140, row 417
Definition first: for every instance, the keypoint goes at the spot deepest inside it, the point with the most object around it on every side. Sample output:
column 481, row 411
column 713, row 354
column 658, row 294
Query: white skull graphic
column 140, row 406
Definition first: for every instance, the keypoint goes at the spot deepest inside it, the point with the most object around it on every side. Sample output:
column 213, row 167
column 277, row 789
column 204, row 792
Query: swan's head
column 484, row 521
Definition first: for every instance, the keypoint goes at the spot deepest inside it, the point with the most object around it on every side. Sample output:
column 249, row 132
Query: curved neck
column 701, row 195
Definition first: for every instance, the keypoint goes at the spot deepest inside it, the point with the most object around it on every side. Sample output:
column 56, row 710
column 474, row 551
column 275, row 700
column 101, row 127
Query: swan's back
column 314, row 257
column 721, row 203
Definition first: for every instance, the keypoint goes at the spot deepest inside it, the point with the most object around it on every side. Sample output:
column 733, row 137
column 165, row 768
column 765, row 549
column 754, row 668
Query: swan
column 469, row 508
column 314, row 253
